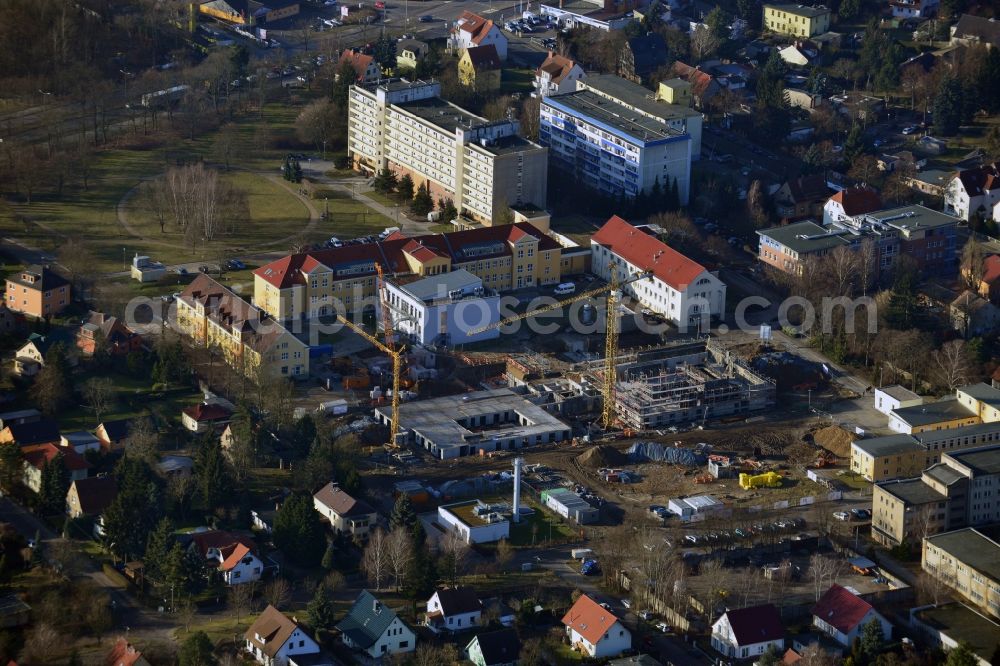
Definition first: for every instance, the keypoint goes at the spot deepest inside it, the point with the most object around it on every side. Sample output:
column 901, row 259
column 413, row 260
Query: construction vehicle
column 613, row 291
column 765, row 480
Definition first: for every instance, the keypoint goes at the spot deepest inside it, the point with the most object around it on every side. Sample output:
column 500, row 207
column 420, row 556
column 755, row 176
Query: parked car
column 426, row 18
column 564, row 289
column 626, row 603
column 663, row 627
column 909, row 130
column 235, row 265
column 841, row 515
column 180, row 270
column 203, row 269
column 861, row 514
column 646, row 615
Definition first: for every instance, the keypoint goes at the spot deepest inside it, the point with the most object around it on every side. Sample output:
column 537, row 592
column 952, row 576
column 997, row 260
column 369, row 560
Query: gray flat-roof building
column 968, row 561
column 903, row 456
column 571, row 506
column 471, row 423
column 609, row 137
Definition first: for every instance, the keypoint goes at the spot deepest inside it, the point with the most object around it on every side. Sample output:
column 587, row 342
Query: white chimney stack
column 517, row 489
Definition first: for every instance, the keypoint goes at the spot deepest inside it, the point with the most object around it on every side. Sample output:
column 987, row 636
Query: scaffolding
column 661, row 393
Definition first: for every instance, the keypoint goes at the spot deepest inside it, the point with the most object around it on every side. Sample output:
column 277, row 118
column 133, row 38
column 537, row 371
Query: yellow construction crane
column 387, row 330
column 613, row 291
column 396, row 354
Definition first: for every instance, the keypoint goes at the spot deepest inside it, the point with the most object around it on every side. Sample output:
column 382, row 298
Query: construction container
column 581, row 553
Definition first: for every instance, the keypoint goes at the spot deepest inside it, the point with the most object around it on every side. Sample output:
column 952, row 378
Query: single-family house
column 472, row 30
column 931, row 181
column 45, row 431
column 970, row 30
column 453, row 609
column 273, row 639
column 641, row 56
column 841, row 614
column 557, row 74
column 850, row 204
column 11, row 323
column 704, row 86
column 123, row 653
column 37, row 456
column 234, row 555
column 172, row 465
column 905, row 9
column 80, row 441
column 365, row 67
column 594, row 630
column 747, row 633
column 29, row 359
column 90, row 496
column 972, row 315
column 409, row 52
column 37, row 291
column 989, row 280
column 205, row 416
column 973, row 191
column 802, row 197
column 347, row 515
column 107, row 333
column 479, row 68
column 375, row 629
column 114, row 433
column 18, row 416
column 798, row 54
column 494, row 648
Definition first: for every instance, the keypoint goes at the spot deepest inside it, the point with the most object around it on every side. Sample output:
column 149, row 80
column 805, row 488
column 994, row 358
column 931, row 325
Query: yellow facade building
column 967, row 561
column 316, row 284
column 797, row 20
column 213, row 316
column 479, row 68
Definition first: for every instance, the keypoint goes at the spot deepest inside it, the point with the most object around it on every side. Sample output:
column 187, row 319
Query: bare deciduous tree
column 455, row 551
column 704, row 43
column 823, row 571
column 41, row 645
column 951, row 364
column 375, row 561
column 399, row 548
column 99, row 392
column 240, row 598
column 505, row 552
column 277, row 592
column 973, row 264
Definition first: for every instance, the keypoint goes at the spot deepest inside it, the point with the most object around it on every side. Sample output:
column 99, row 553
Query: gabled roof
column 367, row 620
column 231, row 555
column 222, row 541
column 358, row 60
column 117, row 430
column 648, row 253
column 203, row 412
column 977, row 27
column 458, row 600
column 474, row 24
column 970, row 302
column 45, row 342
column 40, row 278
column 700, row 81
column 556, row 66
column 341, row 503
column 808, row 188
column 756, row 624
column 589, row 619
column 858, row 200
column 96, row 493
column 484, row 57
column 273, row 628
column 841, row 608
column 980, row 180
column 35, row 432
column 648, row 52
column 498, row 647
column 231, row 312
column 38, row 455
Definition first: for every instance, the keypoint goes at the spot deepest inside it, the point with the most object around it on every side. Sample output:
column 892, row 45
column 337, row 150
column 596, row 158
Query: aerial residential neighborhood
column 624, row 332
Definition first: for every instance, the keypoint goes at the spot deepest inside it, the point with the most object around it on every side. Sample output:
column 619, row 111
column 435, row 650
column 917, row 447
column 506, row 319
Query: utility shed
column 570, row 505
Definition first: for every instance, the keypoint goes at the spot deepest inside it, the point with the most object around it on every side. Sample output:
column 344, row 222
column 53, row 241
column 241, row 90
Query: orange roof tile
column 236, row 553
column 589, row 619
column 991, row 269
column 858, row 200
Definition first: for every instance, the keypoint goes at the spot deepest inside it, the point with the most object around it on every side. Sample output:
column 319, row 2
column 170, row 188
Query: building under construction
column 687, row 385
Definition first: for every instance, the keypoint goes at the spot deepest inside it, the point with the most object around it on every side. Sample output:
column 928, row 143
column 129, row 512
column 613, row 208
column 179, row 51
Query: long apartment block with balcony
column 482, row 166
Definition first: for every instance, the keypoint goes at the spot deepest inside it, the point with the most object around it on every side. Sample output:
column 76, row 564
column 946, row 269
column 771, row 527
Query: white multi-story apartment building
column 481, row 166
column 681, row 290
column 973, row 191
column 609, row 136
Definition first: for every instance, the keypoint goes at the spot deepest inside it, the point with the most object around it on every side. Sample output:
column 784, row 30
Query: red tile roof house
column 365, row 67
column 124, row 654
column 681, row 290
column 234, row 554
column 205, row 416
column 989, row 283
column 841, row 614
column 37, row 456
column 802, row 197
column 594, row 630
column 849, row 204
column 110, row 333
column 273, row 638
column 558, row 74
column 472, row 30
column 748, row 632
column 91, row 496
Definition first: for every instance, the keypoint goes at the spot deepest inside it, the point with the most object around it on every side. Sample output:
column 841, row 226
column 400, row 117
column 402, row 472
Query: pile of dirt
column 602, row 456
column 801, row 453
column 834, row 439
